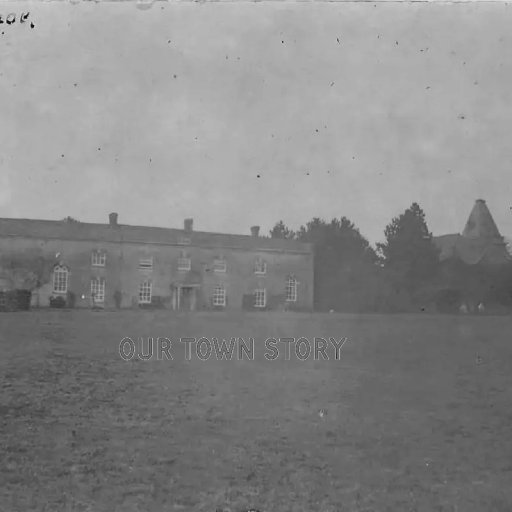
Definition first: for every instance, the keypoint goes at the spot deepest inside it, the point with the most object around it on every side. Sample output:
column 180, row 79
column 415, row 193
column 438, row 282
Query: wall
column 122, row 273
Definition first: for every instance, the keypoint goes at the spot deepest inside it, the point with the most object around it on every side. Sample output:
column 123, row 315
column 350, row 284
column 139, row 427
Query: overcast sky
column 243, row 114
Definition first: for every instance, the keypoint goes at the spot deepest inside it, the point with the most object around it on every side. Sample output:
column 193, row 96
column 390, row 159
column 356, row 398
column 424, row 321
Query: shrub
column 57, row 302
column 70, row 300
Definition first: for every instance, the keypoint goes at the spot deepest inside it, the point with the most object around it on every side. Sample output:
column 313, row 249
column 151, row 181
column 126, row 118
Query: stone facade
column 113, row 265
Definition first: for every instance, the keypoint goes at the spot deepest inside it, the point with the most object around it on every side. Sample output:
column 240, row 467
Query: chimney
column 187, row 225
column 112, row 219
column 255, row 230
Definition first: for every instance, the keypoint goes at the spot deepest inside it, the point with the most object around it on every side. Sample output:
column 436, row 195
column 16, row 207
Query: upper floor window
column 260, row 266
column 291, row 289
column 184, row 263
column 183, row 240
column 98, row 289
column 260, row 298
column 146, row 263
column 145, row 291
column 98, row 258
column 219, row 296
column 219, row 265
column 60, row 279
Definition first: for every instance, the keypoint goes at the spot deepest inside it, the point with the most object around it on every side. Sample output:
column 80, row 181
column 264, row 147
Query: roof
column 480, row 223
column 470, row 250
column 480, row 241
column 73, row 230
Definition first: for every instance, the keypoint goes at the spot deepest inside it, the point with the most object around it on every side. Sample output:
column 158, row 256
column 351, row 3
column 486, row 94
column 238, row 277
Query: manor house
column 117, row 265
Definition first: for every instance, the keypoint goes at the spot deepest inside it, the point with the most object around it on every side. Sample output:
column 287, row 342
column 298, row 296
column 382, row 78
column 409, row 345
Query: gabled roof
column 72, row 230
column 470, row 250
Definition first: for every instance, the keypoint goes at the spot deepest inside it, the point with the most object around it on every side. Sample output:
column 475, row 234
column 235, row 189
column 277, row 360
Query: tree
column 344, row 264
column 339, row 240
column 280, row 230
column 28, row 269
column 409, row 254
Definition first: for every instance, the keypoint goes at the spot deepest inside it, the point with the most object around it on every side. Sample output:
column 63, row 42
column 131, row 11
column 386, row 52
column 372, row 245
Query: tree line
column 402, row 274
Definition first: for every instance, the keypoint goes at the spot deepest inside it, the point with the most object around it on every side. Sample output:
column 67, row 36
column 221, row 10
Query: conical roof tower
column 480, row 223
column 480, row 242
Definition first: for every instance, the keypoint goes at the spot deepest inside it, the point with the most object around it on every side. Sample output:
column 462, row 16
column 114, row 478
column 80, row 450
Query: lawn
column 417, row 415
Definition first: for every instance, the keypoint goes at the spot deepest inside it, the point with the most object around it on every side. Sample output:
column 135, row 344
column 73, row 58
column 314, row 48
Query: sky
column 241, row 114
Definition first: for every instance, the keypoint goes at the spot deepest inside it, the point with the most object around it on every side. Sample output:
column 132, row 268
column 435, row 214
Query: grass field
column 418, row 415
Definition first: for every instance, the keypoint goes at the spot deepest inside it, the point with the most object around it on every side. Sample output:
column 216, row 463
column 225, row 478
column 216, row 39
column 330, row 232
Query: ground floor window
column 219, row 296
column 291, row 289
column 145, row 292
column 260, row 298
column 98, row 289
column 60, row 279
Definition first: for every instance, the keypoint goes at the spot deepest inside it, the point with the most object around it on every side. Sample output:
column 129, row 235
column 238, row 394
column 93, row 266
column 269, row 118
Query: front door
column 187, row 298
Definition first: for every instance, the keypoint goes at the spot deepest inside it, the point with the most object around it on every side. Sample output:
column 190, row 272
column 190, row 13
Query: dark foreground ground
column 418, row 416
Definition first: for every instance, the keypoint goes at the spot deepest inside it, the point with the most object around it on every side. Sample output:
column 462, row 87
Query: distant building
column 508, row 241
column 116, row 265
column 480, row 242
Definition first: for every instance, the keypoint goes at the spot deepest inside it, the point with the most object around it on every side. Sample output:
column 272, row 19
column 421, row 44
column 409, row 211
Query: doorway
column 187, row 298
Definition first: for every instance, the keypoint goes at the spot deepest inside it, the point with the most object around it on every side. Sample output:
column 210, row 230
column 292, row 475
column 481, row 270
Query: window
column 219, row 265
column 146, row 263
column 184, row 262
column 260, row 266
column 60, row 279
column 98, row 289
column 291, row 289
column 219, row 296
column 98, row 258
column 145, row 292
column 260, row 298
